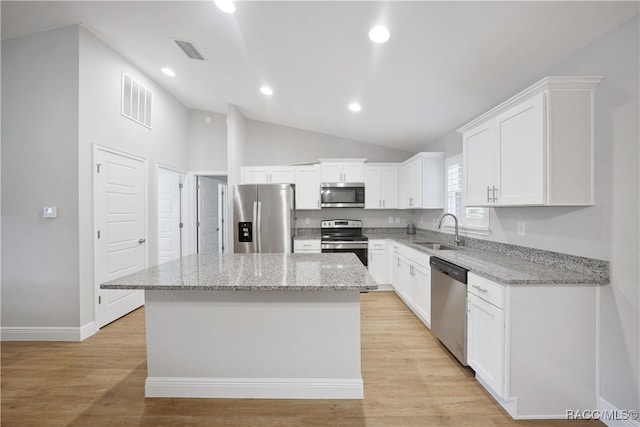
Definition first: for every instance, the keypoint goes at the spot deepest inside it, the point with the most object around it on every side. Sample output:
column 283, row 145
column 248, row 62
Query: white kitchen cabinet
column 533, row 347
column 381, row 186
column 268, row 174
column 534, row 149
column 308, row 246
column 411, row 280
column 307, row 180
column 485, row 335
column 342, row 170
column 377, row 263
column 422, row 182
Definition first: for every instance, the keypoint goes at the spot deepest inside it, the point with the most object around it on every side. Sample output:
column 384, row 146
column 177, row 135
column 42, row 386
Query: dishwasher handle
column 454, row 271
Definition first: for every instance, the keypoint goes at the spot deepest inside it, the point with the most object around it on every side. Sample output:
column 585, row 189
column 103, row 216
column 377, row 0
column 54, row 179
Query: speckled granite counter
column 509, row 264
column 261, row 272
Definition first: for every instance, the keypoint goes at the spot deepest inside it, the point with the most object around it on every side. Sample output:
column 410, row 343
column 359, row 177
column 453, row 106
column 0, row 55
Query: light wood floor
column 410, row 380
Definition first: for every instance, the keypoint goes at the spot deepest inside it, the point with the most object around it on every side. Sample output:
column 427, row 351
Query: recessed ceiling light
column 355, row 107
column 379, row 34
column 226, row 6
column 168, row 71
column 266, row 90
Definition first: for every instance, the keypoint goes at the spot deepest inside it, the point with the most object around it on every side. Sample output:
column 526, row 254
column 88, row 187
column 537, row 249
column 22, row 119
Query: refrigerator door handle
column 256, row 227
column 258, row 232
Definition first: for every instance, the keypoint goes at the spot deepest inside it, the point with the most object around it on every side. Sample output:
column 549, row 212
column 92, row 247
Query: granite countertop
column 253, row 272
column 525, row 267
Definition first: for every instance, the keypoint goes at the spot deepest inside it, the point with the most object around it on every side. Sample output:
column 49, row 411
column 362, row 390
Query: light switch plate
column 50, row 212
column 521, row 228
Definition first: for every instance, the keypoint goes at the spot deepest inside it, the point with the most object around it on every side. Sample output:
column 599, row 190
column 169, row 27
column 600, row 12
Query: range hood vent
column 189, row 49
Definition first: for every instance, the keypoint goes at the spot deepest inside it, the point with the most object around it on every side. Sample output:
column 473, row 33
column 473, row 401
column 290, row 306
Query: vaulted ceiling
column 444, row 63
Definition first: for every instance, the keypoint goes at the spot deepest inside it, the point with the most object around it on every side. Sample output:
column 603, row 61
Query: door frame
column 96, row 280
column 192, row 210
column 183, row 208
column 223, row 240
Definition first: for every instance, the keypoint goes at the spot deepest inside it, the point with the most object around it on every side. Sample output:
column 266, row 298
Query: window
column 470, row 218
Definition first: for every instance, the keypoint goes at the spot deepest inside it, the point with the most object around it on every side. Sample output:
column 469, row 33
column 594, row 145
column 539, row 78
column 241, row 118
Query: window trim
column 480, row 228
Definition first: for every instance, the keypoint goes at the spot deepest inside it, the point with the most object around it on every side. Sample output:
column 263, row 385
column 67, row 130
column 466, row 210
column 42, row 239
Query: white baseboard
column 33, row 333
column 255, row 388
column 612, row 416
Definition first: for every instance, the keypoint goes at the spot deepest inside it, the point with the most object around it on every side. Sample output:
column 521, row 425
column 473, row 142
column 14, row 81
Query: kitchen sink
column 437, row 246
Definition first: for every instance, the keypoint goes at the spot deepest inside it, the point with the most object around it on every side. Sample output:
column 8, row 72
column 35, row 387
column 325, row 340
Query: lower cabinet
column 377, row 262
column 411, row 280
column 533, row 347
column 311, row 246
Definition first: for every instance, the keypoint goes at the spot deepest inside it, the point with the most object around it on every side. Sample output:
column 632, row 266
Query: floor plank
column 410, row 380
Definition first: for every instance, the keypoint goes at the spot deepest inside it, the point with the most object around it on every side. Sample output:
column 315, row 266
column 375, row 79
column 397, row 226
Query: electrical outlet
column 307, row 221
column 521, row 228
column 398, row 220
column 421, row 220
column 390, row 220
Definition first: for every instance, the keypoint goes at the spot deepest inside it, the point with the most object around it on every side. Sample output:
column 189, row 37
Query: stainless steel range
column 344, row 235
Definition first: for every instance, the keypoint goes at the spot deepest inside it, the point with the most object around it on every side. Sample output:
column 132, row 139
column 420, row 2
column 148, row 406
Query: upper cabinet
column 308, row 187
column 535, row 149
column 381, row 186
column 268, row 175
column 342, row 170
column 422, row 182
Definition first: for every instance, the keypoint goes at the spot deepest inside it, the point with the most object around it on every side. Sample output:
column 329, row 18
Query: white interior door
column 208, row 215
column 120, row 221
column 169, row 215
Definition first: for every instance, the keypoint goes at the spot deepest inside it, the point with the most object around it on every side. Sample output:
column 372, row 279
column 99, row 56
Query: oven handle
column 344, row 245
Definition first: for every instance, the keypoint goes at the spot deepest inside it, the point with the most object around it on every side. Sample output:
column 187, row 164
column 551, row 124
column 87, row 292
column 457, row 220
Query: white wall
column 269, row 144
column 39, row 168
column 101, row 123
column 207, row 141
column 610, row 229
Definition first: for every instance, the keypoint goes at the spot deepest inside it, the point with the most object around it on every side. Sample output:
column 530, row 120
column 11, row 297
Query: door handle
column 141, row 241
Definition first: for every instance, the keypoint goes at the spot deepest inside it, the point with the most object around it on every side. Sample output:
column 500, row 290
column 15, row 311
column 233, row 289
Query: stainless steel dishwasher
column 449, row 306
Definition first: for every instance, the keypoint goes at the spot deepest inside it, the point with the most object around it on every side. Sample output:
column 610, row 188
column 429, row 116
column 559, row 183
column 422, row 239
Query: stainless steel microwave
column 342, row 195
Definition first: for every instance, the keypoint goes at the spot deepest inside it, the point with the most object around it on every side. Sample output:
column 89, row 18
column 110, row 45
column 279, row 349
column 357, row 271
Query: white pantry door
column 169, row 215
column 120, row 221
column 208, row 215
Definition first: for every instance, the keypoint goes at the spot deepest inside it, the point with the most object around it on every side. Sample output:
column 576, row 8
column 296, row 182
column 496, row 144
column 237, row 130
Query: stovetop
column 346, row 230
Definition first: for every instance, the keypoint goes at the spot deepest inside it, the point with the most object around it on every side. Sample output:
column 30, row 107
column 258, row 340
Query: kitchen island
column 253, row 325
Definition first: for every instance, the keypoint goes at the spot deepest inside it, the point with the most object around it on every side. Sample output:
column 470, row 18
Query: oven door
column 342, row 195
column 359, row 249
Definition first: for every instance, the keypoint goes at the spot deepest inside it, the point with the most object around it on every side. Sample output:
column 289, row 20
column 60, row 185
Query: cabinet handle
column 479, row 288
column 494, row 194
column 379, row 203
column 488, row 191
column 398, row 262
column 383, row 204
column 318, row 202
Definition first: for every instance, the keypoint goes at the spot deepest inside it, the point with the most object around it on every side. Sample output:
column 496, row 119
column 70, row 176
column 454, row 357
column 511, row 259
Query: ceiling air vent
column 136, row 101
column 189, row 49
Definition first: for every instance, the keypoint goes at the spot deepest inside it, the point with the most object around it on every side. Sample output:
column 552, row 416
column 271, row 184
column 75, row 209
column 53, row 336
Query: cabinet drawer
column 377, row 245
column 306, row 246
column 487, row 290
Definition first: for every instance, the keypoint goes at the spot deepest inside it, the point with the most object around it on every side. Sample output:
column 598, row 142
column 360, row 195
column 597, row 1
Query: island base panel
column 253, row 344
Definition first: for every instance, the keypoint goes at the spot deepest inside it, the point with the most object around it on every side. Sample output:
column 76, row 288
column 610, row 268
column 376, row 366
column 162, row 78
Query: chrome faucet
column 456, row 239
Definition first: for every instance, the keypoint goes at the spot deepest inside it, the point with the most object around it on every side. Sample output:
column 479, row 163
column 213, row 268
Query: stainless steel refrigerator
column 263, row 218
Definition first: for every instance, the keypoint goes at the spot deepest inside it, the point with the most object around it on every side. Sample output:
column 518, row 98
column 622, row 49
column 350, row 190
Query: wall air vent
column 136, row 101
column 189, row 49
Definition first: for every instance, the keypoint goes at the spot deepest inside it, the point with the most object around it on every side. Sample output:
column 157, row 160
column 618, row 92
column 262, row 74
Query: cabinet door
column 255, row 175
column 415, row 172
column 485, row 342
column 520, row 142
column 331, row 172
column 353, row 172
column 478, row 165
column 398, row 273
column 389, row 187
column 372, row 193
column 408, row 288
column 307, row 187
column 378, row 266
column 282, row 175
column 403, row 187
column 422, row 277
